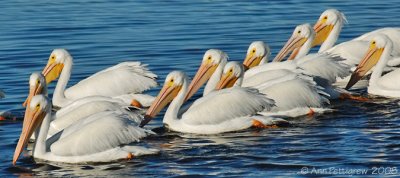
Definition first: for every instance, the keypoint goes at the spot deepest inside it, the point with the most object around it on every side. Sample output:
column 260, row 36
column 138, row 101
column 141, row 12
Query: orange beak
column 52, row 71
column 227, row 81
column 322, row 31
column 166, row 95
column 294, row 54
column 294, row 42
column 203, row 74
column 251, row 61
column 370, row 59
column 32, row 120
column 33, row 91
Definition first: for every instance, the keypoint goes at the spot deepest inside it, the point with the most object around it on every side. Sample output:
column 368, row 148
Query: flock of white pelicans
column 101, row 117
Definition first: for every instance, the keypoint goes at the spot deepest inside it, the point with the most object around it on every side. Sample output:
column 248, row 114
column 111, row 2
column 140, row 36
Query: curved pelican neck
column 40, row 146
column 59, row 98
column 239, row 81
column 378, row 70
column 264, row 60
column 214, row 79
column 171, row 115
column 305, row 49
column 332, row 37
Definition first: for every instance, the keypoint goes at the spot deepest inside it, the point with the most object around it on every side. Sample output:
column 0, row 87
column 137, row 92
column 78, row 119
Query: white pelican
column 99, row 138
column 328, row 28
column 325, row 68
column 78, row 109
column 317, row 64
column 211, row 68
column 378, row 55
column 124, row 78
column 294, row 95
column 219, row 111
column 37, row 85
column 280, row 83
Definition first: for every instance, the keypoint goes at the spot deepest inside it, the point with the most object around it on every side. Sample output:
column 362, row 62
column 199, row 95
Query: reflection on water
column 173, row 36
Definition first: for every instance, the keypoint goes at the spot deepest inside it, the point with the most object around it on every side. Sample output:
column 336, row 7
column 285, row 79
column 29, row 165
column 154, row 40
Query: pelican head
column 35, row 112
column 172, row 86
column 55, row 64
column 377, row 46
column 300, row 36
column 211, row 60
column 233, row 71
column 256, row 52
column 325, row 24
column 37, row 85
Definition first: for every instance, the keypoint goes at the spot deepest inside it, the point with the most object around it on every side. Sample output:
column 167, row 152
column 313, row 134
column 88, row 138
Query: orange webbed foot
column 352, row 97
column 311, row 113
column 130, row 156
column 258, row 124
column 136, row 103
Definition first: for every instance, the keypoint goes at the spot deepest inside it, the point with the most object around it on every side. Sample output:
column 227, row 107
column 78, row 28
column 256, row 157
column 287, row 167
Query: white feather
column 288, row 89
column 294, row 93
column 82, row 101
column 96, row 134
column 386, row 81
column 354, row 50
column 144, row 99
column 101, row 137
column 392, row 33
column 62, row 121
column 353, row 57
column 238, row 102
column 289, row 65
column 323, row 65
column 126, row 77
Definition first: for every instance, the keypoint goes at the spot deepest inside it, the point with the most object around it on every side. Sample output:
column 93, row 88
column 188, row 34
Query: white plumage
column 354, row 50
column 64, row 119
column 268, row 78
column 378, row 55
column 328, row 28
column 98, row 138
column 78, row 109
column 217, row 112
column 289, row 90
column 225, row 105
column 325, row 66
column 294, row 92
column 124, row 78
column 97, row 133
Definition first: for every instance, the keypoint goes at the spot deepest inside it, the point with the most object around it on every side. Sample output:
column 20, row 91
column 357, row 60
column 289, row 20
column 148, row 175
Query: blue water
column 174, row 35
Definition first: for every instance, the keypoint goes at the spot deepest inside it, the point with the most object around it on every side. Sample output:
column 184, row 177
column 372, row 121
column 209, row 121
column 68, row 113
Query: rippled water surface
column 174, row 35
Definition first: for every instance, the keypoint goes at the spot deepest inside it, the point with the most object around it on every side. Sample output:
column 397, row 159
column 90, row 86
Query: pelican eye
column 254, row 50
column 53, row 57
column 326, row 17
column 299, row 31
column 37, row 81
column 172, row 80
column 38, row 105
column 373, row 42
column 231, row 70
